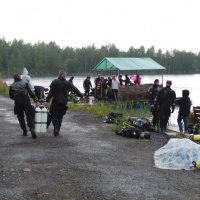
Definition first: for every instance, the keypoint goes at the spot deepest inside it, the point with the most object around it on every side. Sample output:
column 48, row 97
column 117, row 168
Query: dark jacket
column 59, row 89
column 121, row 81
column 87, row 83
column 166, row 97
column 184, row 103
column 153, row 93
column 127, row 81
column 19, row 91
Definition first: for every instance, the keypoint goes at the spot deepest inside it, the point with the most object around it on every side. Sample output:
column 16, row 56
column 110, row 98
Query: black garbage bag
column 141, row 123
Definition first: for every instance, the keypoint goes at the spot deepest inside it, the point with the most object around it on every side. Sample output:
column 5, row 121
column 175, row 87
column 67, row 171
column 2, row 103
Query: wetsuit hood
column 185, row 93
column 25, row 71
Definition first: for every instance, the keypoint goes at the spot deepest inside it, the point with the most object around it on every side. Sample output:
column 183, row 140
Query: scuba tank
column 43, row 125
column 40, row 119
column 38, row 116
column 145, row 135
column 196, row 164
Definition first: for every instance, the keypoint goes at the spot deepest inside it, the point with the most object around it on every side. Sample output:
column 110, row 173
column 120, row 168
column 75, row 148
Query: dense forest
column 43, row 59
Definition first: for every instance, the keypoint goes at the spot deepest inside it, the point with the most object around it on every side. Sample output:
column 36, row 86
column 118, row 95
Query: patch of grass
column 102, row 110
column 4, row 88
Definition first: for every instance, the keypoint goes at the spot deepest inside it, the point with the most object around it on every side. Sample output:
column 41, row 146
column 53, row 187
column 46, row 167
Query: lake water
column 179, row 82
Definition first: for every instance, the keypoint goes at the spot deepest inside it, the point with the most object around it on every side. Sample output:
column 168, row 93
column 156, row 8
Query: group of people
column 127, row 81
column 102, row 86
column 162, row 104
column 161, row 99
column 20, row 90
column 106, row 86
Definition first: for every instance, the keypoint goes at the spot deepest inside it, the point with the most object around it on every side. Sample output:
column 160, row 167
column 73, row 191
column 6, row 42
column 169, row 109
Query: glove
column 46, row 104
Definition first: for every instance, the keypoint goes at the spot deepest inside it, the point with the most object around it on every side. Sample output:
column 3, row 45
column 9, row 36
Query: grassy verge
column 4, row 88
column 102, row 110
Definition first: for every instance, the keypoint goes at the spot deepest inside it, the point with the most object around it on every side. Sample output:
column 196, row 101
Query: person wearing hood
column 59, row 90
column 19, row 91
column 184, row 110
column 153, row 95
column 27, row 79
column 165, row 101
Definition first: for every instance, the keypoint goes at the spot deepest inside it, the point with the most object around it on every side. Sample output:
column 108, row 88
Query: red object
column 137, row 80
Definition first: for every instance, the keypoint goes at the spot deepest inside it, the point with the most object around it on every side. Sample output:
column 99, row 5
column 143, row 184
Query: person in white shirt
column 115, row 87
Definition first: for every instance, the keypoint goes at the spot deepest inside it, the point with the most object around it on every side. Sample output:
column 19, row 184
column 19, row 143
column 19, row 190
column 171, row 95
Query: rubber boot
column 34, row 136
column 23, row 126
column 24, row 132
column 56, row 130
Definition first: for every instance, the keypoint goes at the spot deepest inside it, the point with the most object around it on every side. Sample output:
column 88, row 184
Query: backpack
column 141, row 123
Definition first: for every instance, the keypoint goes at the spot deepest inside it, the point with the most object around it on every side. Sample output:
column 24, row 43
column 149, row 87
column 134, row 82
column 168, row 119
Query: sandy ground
column 86, row 161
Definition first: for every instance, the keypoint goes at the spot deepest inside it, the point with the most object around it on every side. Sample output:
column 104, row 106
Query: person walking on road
column 59, row 89
column 19, row 91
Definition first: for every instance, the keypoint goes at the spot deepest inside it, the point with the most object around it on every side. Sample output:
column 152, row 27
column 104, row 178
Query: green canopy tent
column 125, row 64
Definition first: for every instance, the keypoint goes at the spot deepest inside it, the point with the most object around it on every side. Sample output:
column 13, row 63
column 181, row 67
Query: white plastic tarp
column 177, row 154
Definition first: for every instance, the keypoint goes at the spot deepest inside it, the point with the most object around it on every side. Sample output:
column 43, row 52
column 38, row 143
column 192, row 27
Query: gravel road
column 85, row 162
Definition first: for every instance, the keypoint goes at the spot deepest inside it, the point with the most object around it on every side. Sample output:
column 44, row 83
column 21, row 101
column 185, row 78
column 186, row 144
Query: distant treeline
column 43, row 59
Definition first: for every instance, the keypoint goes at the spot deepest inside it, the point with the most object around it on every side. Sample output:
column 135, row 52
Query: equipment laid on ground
column 141, row 123
column 113, row 117
column 133, row 132
column 40, row 119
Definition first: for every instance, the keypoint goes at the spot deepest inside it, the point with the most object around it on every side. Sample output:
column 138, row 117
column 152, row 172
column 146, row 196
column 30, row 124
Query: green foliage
column 102, row 110
column 43, row 59
column 4, row 88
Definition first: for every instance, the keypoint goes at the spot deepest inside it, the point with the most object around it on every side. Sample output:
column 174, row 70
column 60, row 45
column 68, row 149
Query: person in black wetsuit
column 166, row 97
column 87, row 85
column 153, row 95
column 19, row 91
column 58, row 92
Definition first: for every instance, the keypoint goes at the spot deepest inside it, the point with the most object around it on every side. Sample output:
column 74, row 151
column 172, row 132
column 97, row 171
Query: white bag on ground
column 177, row 154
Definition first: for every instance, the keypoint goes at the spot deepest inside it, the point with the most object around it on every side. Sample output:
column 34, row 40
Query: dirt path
column 86, row 161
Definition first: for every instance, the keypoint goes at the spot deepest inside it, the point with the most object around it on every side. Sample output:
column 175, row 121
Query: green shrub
column 4, row 88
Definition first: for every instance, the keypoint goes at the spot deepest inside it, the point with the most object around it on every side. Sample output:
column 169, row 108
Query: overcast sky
column 165, row 24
